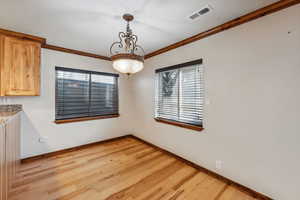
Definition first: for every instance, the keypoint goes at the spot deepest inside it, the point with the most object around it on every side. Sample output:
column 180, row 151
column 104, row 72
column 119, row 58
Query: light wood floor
column 122, row 169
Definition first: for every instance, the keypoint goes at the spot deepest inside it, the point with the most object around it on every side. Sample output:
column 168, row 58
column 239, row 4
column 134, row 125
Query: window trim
column 179, row 124
column 173, row 122
column 87, row 118
column 85, row 71
column 187, row 64
column 79, row 119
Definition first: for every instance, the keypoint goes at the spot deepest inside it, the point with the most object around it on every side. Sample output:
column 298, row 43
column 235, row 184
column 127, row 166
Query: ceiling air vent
column 200, row 12
column 194, row 16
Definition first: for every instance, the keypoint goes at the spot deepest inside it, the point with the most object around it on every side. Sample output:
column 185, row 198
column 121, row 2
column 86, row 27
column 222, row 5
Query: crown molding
column 73, row 51
column 44, row 44
column 282, row 4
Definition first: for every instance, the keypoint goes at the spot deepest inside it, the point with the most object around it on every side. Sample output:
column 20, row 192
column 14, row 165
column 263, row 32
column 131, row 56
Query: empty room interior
column 149, row 100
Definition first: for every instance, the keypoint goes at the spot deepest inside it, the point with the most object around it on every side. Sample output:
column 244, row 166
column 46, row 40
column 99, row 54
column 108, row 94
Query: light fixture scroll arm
column 119, row 44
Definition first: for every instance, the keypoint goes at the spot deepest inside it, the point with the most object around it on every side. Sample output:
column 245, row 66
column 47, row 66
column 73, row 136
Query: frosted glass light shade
column 127, row 65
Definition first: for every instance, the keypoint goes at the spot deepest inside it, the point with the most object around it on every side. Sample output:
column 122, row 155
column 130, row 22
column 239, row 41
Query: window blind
column 180, row 93
column 81, row 93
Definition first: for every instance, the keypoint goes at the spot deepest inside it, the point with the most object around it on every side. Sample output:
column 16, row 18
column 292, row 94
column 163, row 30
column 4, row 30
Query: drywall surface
column 39, row 112
column 251, row 116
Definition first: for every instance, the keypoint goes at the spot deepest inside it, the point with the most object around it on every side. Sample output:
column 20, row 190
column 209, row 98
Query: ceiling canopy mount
column 128, row 17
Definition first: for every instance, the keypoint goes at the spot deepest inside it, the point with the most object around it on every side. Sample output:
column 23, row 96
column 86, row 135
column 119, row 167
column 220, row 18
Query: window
column 180, row 95
column 82, row 95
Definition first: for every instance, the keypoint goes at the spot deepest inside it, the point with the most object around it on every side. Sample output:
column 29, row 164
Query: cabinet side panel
column 2, row 89
column 3, row 176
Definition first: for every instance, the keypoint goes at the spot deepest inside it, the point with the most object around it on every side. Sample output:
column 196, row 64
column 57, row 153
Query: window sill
column 62, row 121
column 179, row 124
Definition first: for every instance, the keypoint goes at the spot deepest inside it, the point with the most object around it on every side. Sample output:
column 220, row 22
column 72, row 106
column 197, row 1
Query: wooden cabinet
column 20, row 67
column 9, row 154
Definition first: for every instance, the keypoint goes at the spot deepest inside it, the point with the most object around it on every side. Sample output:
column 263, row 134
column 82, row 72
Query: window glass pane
column 104, row 97
column 82, row 93
column 72, row 94
column 180, row 94
column 190, row 96
column 167, row 105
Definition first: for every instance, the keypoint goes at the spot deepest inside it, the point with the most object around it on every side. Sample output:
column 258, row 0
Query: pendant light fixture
column 127, row 57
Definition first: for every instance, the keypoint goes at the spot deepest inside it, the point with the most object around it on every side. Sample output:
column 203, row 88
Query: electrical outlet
column 43, row 139
column 219, row 164
column 207, row 101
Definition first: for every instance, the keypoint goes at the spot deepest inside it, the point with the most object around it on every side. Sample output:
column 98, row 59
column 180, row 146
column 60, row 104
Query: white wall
column 252, row 121
column 39, row 112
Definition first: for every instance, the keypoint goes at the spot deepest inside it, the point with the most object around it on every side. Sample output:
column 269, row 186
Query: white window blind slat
column 180, row 93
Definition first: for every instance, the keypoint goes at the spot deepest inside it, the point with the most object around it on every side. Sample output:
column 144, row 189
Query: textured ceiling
column 92, row 25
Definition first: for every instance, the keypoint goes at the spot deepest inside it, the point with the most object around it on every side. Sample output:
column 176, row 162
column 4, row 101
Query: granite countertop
column 8, row 111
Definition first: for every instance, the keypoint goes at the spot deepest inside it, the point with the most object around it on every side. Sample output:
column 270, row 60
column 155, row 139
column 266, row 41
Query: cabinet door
column 3, row 176
column 20, row 74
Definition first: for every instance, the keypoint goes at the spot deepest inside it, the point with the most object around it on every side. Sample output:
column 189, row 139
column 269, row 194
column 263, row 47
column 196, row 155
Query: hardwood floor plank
column 166, row 186
column 88, row 195
column 90, row 172
column 131, row 176
column 233, row 193
column 85, row 180
column 118, row 170
column 150, row 181
column 208, row 189
column 78, row 165
column 189, row 186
